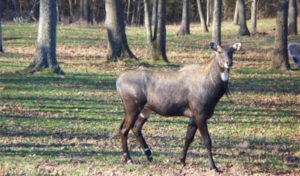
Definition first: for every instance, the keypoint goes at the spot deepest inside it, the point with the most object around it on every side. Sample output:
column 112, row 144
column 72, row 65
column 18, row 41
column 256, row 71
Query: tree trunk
column 117, row 45
column 45, row 55
column 129, row 14
column 236, row 13
column 148, row 22
column 154, row 12
column 148, row 28
column 160, row 40
column 139, row 13
column 86, row 12
column 71, row 11
column 217, row 19
column 58, row 12
column 201, row 15
column 242, row 17
column 1, row 48
column 292, row 17
column 155, row 17
column 280, row 55
column 209, row 11
column 16, row 6
column 254, row 16
column 185, row 21
column 133, row 19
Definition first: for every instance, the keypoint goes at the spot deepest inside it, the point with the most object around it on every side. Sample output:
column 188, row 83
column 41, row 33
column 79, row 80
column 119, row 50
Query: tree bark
column 236, row 13
column 16, row 6
column 148, row 28
column 292, row 17
column 154, row 12
column 86, row 12
column 242, row 18
column 155, row 17
column 157, row 41
column 58, row 12
column 139, row 13
column 71, row 11
column 209, row 11
column 134, row 12
column 217, row 19
column 1, row 48
column 45, row 55
column 201, row 15
column 280, row 55
column 185, row 21
column 117, row 45
column 129, row 14
column 160, row 40
column 254, row 16
column 148, row 22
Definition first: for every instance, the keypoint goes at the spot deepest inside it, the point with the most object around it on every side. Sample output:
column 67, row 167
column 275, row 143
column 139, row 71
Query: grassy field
column 52, row 125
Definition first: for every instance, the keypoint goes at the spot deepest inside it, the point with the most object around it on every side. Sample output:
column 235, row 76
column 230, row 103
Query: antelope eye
column 219, row 52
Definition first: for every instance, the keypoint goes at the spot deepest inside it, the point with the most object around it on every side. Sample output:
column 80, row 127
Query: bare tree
column 236, row 13
column 129, row 14
column 117, row 45
column 242, row 18
column 254, row 16
column 86, row 12
column 280, row 54
column 209, row 11
column 217, row 19
column 157, row 41
column 71, row 11
column 201, row 15
column 148, row 24
column 154, row 12
column 139, row 13
column 134, row 11
column 292, row 17
column 1, row 48
column 16, row 5
column 45, row 55
column 185, row 21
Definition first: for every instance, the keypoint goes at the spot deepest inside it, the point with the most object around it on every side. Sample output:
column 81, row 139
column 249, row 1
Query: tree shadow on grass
column 265, row 85
column 71, row 81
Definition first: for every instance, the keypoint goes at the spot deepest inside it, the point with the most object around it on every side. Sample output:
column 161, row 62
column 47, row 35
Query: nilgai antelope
column 192, row 91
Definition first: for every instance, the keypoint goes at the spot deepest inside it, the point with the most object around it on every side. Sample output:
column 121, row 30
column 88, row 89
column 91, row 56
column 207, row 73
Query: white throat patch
column 225, row 75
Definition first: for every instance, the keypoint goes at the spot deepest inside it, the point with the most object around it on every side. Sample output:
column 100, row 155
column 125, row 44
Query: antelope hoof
column 127, row 158
column 129, row 161
column 216, row 169
column 150, row 159
column 182, row 161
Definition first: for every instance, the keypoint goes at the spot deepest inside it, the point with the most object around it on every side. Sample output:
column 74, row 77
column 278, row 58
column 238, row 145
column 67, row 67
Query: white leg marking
column 146, row 149
column 144, row 116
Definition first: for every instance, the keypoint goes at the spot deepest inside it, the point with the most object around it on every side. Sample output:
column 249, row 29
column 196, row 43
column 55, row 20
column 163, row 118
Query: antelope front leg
column 137, row 130
column 202, row 125
column 190, row 134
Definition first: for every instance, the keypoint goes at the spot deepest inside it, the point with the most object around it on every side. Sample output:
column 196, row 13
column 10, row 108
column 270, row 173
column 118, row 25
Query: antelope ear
column 213, row 46
column 237, row 46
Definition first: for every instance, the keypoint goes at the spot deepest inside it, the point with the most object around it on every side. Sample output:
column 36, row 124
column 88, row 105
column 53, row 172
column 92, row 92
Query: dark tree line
column 118, row 47
column 93, row 11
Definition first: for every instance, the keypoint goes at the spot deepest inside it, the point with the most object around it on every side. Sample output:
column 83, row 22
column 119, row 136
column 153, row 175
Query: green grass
column 52, row 125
